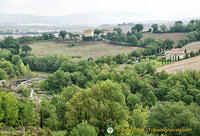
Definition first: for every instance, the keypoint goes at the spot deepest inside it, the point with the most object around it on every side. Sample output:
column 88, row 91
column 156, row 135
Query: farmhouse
column 88, row 32
column 105, row 32
column 175, row 54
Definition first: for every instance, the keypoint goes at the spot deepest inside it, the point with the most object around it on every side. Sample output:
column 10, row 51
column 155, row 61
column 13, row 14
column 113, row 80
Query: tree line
column 178, row 26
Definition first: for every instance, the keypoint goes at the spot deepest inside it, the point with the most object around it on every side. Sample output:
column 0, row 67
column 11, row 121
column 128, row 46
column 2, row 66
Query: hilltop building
column 105, row 32
column 88, row 32
column 175, row 54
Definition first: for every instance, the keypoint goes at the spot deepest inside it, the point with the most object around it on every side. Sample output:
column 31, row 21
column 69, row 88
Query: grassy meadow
column 94, row 49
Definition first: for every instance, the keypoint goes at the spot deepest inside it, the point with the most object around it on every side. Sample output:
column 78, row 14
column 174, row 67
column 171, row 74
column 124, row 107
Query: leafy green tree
column 163, row 28
column 87, row 38
column 3, row 74
column 63, row 34
column 169, row 43
column 138, row 27
column 192, row 54
column 8, row 67
column 155, row 28
column 147, row 41
column 183, row 42
column 120, row 59
column 188, row 99
column 2, row 45
column 128, row 34
column 71, row 35
column 68, row 66
column 139, row 35
column 25, row 39
column 132, row 101
column 152, row 48
column 197, row 25
column 137, row 53
column 50, row 118
column 45, row 36
column 29, row 116
column 172, row 115
column 1, row 110
column 178, row 26
column 132, row 39
column 44, row 85
column 11, row 44
column 78, row 78
column 10, row 108
column 51, row 36
column 122, row 38
column 97, row 31
column 192, row 36
column 197, row 98
column 83, row 129
column 151, row 99
column 115, row 38
column 58, row 80
column 194, row 108
column 192, row 21
column 27, row 92
column 140, row 116
column 26, row 48
column 102, row 106
column 4, row 53
column 119, row 30
column 162, row 90
column 60, row 103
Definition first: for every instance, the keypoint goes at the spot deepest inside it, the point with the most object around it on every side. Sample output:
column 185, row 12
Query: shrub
column 27, row 92
column 3, row 74
column 43, row 85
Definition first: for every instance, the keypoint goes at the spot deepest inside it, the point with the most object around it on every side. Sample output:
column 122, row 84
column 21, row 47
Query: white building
column 175, row 54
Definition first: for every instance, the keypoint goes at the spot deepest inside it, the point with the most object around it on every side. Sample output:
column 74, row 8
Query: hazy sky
column 165, row 8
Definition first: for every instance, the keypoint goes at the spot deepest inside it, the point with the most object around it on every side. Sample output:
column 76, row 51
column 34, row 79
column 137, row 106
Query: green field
column 94, row 49
column 174, row 36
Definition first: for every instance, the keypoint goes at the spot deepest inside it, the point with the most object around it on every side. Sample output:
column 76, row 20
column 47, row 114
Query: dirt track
column 187, row 64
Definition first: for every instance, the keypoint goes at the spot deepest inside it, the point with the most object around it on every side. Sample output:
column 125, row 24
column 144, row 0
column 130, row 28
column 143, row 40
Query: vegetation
column 88, row 96
column 178, row 26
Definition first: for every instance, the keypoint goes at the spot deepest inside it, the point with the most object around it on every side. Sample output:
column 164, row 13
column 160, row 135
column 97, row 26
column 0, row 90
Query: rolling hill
column 187, row 64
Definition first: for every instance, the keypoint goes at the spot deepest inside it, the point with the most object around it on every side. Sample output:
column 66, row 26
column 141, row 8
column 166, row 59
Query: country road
column 25, row 81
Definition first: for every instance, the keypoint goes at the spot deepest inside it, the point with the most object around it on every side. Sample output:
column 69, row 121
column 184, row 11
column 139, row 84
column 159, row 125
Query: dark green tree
column 83, row 129
column 163, row 28
column 132, row 39
column 26, row 48
column 63, row 34
column 138, row 27
column 169, row 43
column 97, row 31
column 155, row 28
column 119, row 31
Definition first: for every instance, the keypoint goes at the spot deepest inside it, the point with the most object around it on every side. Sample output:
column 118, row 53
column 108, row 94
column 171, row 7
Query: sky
column 160, row 8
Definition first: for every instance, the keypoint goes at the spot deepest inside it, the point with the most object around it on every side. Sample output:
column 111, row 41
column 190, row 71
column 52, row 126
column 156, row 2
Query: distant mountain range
column 89, row 18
